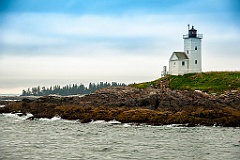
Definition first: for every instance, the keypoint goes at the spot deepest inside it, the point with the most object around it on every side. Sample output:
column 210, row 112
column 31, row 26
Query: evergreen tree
column 73, row 89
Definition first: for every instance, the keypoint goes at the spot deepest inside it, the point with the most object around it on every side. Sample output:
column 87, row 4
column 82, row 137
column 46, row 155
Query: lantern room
column 192, row 33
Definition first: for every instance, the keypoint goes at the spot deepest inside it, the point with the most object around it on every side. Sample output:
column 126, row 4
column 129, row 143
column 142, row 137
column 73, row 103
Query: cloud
column 57, row 48
column 64, row 34
column 57, row 25
column 20, row 38
column 55, row 34
column 90, row 25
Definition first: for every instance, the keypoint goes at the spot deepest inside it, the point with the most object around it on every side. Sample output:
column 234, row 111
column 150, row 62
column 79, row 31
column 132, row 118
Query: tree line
column 74, row 89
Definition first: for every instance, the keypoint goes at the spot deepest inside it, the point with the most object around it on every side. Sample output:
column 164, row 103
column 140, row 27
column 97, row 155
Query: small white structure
column 164, row 72
column 189, row 61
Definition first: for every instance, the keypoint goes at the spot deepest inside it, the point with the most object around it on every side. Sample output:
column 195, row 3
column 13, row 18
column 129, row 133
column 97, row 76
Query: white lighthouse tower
column 189, row 61
column 193, row 49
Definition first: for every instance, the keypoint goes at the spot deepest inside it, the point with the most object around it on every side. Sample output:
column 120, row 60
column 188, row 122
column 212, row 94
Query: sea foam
column 55, row 118
column 18, row 115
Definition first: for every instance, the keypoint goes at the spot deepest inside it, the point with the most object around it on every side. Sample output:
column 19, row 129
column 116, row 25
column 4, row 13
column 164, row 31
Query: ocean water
column 51, row 139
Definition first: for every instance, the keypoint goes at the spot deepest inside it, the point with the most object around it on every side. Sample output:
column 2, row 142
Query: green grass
column 145, row 84
column 210, row 82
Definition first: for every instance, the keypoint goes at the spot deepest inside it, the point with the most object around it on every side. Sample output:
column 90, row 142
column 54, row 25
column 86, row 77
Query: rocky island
column 160, row 102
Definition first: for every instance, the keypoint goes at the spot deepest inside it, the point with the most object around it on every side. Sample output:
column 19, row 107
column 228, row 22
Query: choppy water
column 62, row 139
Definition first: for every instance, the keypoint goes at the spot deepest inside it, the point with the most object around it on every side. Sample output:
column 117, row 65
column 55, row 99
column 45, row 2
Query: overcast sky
column 48, row 42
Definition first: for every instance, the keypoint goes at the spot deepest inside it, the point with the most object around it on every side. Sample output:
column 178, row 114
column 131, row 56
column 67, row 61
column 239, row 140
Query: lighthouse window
column 195, row 47
column 187, row 51
column 195, row 61
column 183, row 63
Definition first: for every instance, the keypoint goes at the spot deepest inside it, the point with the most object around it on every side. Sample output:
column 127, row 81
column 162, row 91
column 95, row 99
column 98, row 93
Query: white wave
column 177, row 125
column 18, row 115
column 29, row 115
column 44, row 119
column 172, row 125
column 55, row 118
column 21, row 116
column 114, row 122
column 98, row 122
column 10, row 115
column 126, row 125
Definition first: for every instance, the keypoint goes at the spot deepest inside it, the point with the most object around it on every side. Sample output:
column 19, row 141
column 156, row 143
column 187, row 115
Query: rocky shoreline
column 132, row 105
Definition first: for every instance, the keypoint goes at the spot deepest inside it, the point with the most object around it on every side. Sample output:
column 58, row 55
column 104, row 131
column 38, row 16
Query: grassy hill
column 210, row 82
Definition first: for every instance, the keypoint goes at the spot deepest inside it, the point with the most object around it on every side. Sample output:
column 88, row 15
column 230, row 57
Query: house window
column 183, row 63
column 195, row 61
column 195, row 47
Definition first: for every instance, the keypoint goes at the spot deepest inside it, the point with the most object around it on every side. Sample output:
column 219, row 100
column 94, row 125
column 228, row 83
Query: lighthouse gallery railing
column 197, row 36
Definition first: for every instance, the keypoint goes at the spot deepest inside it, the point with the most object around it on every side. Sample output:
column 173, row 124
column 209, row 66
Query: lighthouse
column 189, row 61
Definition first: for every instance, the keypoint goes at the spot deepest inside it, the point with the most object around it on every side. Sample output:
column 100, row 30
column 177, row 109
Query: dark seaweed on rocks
column 128, row 104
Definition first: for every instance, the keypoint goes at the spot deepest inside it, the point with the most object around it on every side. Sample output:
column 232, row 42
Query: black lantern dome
column 192, row 32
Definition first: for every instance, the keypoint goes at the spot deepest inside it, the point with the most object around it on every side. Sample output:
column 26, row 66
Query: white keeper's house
column 189, row 61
